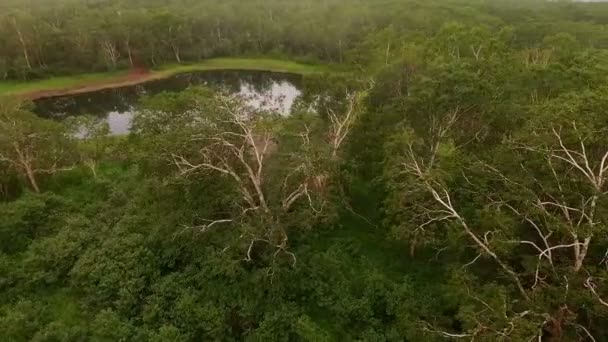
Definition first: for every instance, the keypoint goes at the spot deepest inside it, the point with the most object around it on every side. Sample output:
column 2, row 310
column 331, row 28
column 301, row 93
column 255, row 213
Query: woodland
column 447, row 181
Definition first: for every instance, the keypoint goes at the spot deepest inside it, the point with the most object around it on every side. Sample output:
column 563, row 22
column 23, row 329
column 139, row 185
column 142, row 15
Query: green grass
column 265, row 64
column 64, row 82
column 72, row 82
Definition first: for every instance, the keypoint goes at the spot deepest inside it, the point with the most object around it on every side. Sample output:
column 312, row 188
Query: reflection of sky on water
column 120, row 122
column 262, row 90
column 279, row 97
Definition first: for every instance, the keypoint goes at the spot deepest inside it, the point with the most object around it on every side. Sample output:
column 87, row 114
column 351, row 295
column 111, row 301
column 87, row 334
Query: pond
column 264, row 90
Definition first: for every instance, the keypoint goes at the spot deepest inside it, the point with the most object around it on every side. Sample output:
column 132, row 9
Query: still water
column 264, row 90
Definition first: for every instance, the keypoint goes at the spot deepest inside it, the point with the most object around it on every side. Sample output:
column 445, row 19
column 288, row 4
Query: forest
column 443, row 176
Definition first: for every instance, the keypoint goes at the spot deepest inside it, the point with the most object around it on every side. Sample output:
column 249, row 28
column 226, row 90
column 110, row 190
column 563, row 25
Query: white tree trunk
column 26, row 54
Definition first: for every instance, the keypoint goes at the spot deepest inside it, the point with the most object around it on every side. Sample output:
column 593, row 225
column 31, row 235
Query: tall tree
column 32, row 146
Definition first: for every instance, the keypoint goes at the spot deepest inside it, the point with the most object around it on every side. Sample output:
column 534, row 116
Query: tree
column 240, row 147
column 93, row 140
column 32, row 146
column 540, row 195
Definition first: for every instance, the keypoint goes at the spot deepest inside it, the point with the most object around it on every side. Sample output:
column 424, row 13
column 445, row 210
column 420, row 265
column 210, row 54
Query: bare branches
column 210, row 223
column 111, row 52
column 578, row 159
column 31, row 150
column 472, row 261
column 591, row 287
column 543, row 236
column 448, row 211
column 341, row 124
column 429, row 328
column 240, row 148
column 593, row 172
column 482, row 327
column 229, row 152
column 280, row 249
column 586, row 331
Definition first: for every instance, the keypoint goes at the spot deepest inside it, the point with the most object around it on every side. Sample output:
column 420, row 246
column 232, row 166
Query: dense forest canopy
column 45, row 38
column 450, row 184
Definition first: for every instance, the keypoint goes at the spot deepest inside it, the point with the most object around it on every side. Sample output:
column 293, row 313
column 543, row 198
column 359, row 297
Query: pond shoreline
column 118, row 82
column 272, row 91
column 81, row 84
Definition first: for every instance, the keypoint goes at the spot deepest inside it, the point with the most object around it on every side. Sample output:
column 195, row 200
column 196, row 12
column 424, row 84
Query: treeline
column 46, row 38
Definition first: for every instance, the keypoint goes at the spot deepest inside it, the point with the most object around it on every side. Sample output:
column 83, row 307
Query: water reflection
column 264, row 90
column 120, row 122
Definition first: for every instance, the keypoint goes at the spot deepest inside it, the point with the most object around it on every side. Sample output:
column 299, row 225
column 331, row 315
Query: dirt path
column 118, row 82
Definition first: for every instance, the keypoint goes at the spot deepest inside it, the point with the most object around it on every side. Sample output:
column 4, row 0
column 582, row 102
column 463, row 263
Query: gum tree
column 32, row 146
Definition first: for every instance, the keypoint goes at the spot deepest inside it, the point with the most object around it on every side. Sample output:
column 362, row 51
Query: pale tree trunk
column 341, row 124
column 388, row 53
column 448, row 212
column 23, row 45
column 111, row 53
column 241, row 155
column 176, row 53
column 174, row 47
column 581, row 162
column 38, row 51
column 582, row 255
column 32, row 178
column 92, row 165
column 476, row 52
column 413, row 245
column 218, row 30
column 24, row 161
column 81, row 42
column 128, row 46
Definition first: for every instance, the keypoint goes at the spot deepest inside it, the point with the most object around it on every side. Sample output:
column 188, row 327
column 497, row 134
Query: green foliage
column 468, row 199
column 108, row 326
column 28, row 218
column 31, row 146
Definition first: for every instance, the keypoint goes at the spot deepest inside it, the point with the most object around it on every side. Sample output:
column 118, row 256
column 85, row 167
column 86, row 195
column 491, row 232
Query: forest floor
column 78, row 84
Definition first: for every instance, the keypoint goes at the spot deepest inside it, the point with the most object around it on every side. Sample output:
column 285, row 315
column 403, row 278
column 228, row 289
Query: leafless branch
column 341, row 124
column 591, row 286
column 442, row 197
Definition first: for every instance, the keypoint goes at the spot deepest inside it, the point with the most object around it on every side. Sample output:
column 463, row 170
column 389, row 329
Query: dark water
column 266, row 90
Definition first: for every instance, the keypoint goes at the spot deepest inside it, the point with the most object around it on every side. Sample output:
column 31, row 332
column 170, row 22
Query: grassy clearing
column 71, row 83
column 245, row 64
column 64, row 82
